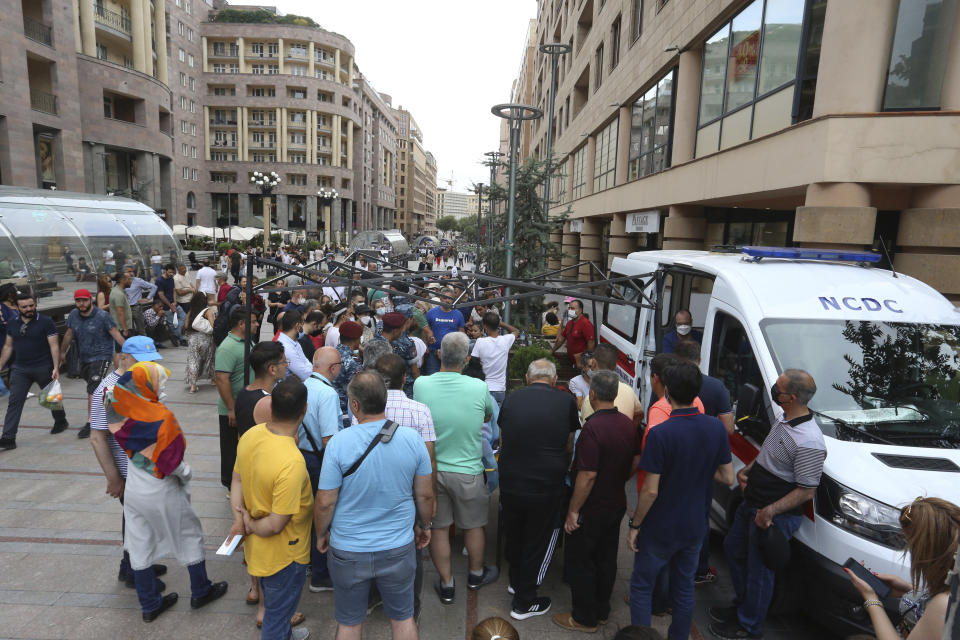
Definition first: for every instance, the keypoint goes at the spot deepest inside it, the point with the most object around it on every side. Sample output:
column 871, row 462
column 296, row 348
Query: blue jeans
column 318, row 561
column 393, row 572
column 752, row 580
column 176, row 331
column 157, row 269
column 149, row 594
column 681, row 557
column 281, row 595
column 499, row 396
column 20, row 382
column 431, row 363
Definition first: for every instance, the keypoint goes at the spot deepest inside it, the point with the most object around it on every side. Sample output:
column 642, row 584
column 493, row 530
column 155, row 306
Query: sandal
column 252, row 601
column 298, row 618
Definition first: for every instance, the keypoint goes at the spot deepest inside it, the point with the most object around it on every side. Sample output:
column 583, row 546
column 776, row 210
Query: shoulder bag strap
column 385, row 434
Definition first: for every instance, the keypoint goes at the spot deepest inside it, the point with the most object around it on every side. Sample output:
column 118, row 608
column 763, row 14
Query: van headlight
column 859, row 514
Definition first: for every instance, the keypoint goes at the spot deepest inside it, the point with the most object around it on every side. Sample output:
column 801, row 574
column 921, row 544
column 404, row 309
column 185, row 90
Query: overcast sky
column 447, row 61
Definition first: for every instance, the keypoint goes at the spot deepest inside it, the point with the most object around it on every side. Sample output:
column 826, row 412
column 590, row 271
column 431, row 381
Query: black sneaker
column 84, row 431
column 490, row 574
column 318, row 584
column 168, row 601
column 446, row 594
column 217, row 589
column 8, row 443
column 60, row 427
column 723, row 614
column 537, row 608
column 732, row 631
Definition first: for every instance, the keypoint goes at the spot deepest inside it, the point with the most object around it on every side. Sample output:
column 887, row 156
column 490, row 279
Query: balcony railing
column 260, row 54
column 224, row 53
column 111, row 19
column 224, row 144
column 37, row 31
column 263, row 145
column 218, row 122
column 45, row 102
column 262, row 123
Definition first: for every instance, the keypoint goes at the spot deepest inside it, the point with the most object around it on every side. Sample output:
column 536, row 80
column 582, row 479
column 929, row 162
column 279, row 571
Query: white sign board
column 576, row 226
column 643, row 222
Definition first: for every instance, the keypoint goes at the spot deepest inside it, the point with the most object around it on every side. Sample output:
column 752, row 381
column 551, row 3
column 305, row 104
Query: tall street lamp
column 554, row 50
column 327, row 198
column 479, row 210
column 494, row 163
column 516, row 114
column 266, row 182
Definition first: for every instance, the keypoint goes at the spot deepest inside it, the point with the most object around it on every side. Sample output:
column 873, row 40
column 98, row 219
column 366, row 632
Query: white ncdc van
column 884, row 350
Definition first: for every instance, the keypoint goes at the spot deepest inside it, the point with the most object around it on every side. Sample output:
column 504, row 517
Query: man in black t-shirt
column 607, row 453
column 269, row 367
column 33, row 339
column 536, row 431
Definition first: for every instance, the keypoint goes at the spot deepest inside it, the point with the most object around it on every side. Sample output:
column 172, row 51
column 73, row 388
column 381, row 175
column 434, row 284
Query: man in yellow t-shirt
column 627, row 401
column 273, row 508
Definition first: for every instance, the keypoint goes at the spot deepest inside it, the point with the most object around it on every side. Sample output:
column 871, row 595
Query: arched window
column 191, row 200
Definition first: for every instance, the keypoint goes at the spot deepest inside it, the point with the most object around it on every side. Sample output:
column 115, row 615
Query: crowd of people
column 371, row 421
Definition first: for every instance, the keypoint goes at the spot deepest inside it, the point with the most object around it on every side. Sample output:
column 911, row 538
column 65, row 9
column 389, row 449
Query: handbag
column 201, row 324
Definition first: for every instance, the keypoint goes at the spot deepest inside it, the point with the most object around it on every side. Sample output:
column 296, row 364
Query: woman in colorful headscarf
column 159, row 519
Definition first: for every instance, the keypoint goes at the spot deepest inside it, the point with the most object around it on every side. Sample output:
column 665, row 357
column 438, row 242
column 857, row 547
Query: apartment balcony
column 38, row 31
column 296, row 55
column 44, row 102
column 270, row 124
column 270, row 146
column 260, row 54
column 324, row 129
column 297, row 124
column 216, row 52
column 217, row 122
column 327, row 62
column 224, row 144
column 112, row 20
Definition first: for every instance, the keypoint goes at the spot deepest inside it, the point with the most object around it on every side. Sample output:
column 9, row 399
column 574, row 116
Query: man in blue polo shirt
column 682, row 458
column 380, row 515
column 33, row 339
column 442, row 320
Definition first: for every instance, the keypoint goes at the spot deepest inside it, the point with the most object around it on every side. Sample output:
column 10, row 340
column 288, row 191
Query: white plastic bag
column 176, row 317
column 51, row 396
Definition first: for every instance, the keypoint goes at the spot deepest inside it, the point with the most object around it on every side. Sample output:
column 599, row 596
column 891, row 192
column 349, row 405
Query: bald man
column 321, row 422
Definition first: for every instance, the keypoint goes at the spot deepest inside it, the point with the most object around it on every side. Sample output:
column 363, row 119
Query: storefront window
column 744, row 57
column 605, row 158
column 579, row 179
column 651, row 129
column 918, row 59
column 714, row 71
column 782, row 31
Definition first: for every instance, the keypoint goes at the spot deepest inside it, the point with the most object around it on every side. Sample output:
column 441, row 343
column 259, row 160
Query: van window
column 623, row 319
column 732, row 358
column 685, row 291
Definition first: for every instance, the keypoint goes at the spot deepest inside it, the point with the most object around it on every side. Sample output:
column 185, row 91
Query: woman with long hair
column 104, row 285
column 199, row 330
column 931, row 529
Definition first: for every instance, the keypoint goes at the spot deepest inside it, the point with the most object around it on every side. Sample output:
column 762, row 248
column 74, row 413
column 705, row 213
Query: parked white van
column 884, row 350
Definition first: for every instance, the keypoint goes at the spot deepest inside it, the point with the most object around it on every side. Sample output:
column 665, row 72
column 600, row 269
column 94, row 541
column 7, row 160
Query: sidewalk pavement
column 60, row 546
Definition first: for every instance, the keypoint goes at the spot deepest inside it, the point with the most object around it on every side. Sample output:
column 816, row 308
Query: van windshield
column 879, row 381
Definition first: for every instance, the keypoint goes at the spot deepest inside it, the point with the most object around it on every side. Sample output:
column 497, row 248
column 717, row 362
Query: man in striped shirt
column 113, row 459
column 776, row 485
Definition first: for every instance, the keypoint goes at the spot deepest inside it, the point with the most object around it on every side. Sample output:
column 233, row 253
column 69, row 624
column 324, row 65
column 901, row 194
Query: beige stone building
column 773, row 122
column 417, row 191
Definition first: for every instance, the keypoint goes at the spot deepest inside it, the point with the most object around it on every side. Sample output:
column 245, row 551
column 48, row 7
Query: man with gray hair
column 459, row 405
column 537, row 424
column 776, row 485
column 373, row 351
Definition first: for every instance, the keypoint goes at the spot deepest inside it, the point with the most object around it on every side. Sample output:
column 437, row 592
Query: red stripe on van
column 743, row 448
column 623, row 361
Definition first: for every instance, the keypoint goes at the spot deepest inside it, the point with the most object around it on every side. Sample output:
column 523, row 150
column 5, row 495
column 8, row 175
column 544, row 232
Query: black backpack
column 221, row 326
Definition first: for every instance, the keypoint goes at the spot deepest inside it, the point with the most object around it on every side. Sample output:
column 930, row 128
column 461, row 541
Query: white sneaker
column 299, row 633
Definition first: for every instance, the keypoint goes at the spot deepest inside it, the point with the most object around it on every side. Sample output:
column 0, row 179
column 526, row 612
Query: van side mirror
column 749, row 416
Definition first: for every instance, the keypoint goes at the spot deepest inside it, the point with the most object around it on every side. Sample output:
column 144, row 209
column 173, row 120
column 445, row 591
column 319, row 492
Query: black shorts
column 93, row 373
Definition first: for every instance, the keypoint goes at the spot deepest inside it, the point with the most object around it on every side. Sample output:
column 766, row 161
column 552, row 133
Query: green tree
column 445, row 224
column 467, row 227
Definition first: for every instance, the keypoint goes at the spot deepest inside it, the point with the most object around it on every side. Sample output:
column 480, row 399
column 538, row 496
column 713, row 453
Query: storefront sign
column 643, row 222
column 576, row 226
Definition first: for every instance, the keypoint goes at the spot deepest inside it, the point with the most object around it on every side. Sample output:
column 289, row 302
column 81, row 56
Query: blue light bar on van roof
column 796, row 253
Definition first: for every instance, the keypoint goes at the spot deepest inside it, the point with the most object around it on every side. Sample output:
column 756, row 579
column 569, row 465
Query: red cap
column 351, row 330
column 81, row 293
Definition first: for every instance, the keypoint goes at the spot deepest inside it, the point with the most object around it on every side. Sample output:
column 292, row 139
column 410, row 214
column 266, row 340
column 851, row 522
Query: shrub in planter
column 521, row 358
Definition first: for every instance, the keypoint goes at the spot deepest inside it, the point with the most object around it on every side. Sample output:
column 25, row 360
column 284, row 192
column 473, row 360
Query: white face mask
column 684, row 329
column 571, row 313
column 366, row 320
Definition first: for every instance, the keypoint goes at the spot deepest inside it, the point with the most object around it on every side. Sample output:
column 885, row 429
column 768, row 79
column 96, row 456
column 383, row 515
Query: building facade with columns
column 689, row 124
column 417, row 190
column 86, row 102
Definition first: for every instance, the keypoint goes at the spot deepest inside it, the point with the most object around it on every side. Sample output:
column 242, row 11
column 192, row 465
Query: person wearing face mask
column 290, row 328
column 312, row 327
column 580, row 385
column 684, row 330
column 578, row 333
column 776, row 485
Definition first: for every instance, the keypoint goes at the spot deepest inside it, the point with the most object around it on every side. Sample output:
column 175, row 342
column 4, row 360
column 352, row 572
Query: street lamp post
column 516, row 114
column 479, row 210
column 266, row 182
column 494, row 163
column 554, row 50
column 229, row 218
column 327, row 198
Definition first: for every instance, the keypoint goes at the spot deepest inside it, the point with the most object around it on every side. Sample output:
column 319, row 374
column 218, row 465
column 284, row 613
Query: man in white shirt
column 493, row 350
column 184, row 288
column 297, row 362
column 109, row 264
column 206, row 278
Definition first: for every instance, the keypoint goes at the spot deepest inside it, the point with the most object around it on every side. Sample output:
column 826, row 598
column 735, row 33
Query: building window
column 193, row 129
column 605, row 159
column 298, row 70
column 179, row 27
column 918, row 58
column 107, row 107
column 183, row 79
column 183, row 126
column 256, row 69
column 651, row 129
column 183, row 103
column 579, row 177
column 615, row 43
column 193, row 107
column 189, row 34
column 297, row 179
column 193, row 84
column 273, row 69
column 190, row 59
column 186, row 173
column 182, row 55
column 186, row 6
column 750, row 72
column 297, row 158
column 219, row 67
column 598, row 67
column 637, row 25
column 101, row 52
column 273, row 49
column 193, row 151
column 234, row 67
column 195, row 175
column 298, row 138
column 191, row 200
